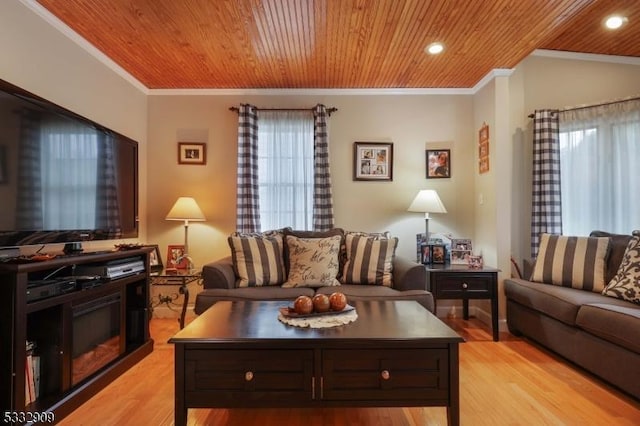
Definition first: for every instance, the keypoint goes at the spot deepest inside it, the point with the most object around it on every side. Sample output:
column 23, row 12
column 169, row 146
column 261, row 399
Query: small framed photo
column 459, row 257
column 461, row 244
column 155, row 260
column 483, row 133
column 176, row 257
column 192, row 153
column 438, row 163
column 475, row 262
column 438, row 254
column 372, row 161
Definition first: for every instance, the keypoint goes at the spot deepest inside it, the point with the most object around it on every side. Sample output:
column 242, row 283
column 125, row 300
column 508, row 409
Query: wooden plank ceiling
column 169, row 44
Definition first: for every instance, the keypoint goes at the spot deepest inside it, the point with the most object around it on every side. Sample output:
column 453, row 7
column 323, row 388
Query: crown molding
column 577, row 56
column 56, row 23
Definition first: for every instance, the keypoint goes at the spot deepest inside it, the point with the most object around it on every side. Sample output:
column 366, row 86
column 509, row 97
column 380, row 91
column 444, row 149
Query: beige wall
column 412, row 123
column 40, row 59
column 548, row 82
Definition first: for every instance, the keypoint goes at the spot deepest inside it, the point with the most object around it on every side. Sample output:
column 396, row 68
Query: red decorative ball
column 321, row 303
column 337, row 301
column 303, row 305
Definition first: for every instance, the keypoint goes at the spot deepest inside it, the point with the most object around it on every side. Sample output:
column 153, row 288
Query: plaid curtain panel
column 29, row 197
column 546, row 208
column 322, row 198
column 107, row 205
column 247, row 191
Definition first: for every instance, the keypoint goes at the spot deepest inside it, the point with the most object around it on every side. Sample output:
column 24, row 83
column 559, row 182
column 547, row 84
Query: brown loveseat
column 221, row 281
column 596, row 332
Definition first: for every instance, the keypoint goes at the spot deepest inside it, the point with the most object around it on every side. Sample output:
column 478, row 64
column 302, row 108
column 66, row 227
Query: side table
column 463, row 283
column 174, row 277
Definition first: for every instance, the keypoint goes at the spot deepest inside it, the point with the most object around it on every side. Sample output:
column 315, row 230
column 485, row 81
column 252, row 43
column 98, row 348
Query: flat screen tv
column 63, row 178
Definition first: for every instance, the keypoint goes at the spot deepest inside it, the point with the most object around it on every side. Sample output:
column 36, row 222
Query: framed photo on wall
column 192, row 153
column 438, row 163
column 372, row 161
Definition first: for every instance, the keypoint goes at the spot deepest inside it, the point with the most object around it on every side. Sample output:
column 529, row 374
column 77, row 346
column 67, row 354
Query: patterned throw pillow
column 626, row 284
column 369, row 260
column 258, row 260
column 313, row 262
column 577, row 262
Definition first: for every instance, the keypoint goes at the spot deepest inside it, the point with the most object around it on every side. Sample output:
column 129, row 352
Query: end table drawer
column 239, row 377
column 458, row 286
column 404, row 374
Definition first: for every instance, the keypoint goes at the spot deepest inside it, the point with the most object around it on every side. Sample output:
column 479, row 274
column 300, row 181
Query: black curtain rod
column 594, row 105
column 329, row 110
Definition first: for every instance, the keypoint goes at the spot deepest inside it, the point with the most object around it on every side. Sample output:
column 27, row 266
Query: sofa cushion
column 313, row 262
column 616, row 323
column 369, row 260
column 561, row 303
column 626, row 284
column 258, row 260
column 577, row 262
column 617, row 247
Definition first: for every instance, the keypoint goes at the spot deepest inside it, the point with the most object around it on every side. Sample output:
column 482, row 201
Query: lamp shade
column 427, row 201
column 186, row 209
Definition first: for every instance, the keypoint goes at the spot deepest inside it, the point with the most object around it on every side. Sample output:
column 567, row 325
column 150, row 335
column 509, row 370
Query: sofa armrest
column 219, row 274
column 408, row 275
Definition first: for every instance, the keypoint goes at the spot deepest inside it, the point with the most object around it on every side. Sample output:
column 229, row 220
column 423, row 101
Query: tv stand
column 53, row 323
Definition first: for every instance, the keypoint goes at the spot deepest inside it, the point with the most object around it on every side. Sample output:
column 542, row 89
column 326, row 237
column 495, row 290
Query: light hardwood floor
column 511, row 382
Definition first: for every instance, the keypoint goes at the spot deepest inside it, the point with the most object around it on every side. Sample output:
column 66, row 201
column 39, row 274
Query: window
column 286, row 169
column 69, row 175
column 599, row 153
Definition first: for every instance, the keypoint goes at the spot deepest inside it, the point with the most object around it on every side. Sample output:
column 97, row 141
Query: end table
column 463, row 283
column 175, row 277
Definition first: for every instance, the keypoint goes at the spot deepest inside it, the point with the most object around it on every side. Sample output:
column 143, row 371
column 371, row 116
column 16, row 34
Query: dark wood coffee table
column 239, row 355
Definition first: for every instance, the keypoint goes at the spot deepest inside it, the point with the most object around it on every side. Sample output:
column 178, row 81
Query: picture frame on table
column 155, row 259
column 459, row 257
column 176, row 258
column 438, row 163
column 192, row 153
column 438, row 254
column 461, row 244
column 373, row 161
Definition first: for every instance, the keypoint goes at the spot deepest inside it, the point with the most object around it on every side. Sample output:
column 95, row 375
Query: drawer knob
column 248, row 376
column 465, row 285
column 385, row 374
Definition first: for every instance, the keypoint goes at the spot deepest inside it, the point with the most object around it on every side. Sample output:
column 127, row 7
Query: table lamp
column 186, row 209
column 427, row 201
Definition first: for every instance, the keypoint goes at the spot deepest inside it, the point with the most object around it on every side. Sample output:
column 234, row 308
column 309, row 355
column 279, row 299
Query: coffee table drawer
column 381, row 374
column 243, row 377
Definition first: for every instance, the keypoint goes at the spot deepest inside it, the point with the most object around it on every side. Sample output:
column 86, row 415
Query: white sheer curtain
column 599, row 157
column 69, row 156
column 286, row 169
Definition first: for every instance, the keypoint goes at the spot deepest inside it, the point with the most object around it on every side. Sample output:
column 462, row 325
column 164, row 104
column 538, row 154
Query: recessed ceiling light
column 434, row 48
column 614, row 22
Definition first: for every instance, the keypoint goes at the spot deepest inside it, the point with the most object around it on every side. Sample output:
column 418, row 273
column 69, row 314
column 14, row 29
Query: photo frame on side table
column 373, row 161
column 438, row 254
column 155, row 259
column 176, row 258
column 192, row 153
column 438, row 163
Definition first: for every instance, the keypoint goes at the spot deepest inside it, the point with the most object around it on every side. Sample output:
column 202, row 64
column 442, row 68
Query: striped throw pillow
column 258, row 260
column 369, row 260
column 577, row 262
